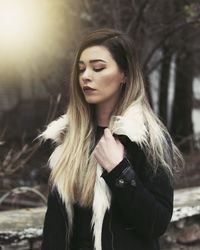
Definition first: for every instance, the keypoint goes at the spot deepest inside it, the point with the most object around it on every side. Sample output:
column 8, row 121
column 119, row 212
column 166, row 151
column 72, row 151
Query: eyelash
column 96, row 70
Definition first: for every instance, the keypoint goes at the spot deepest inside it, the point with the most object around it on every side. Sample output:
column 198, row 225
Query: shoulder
column 141, row 162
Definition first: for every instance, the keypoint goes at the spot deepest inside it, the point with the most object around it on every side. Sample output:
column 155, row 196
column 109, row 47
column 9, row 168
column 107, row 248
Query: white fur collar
column 131, row 124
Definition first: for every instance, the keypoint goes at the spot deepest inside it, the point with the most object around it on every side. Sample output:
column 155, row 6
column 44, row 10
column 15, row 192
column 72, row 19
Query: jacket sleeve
column 54, row 230
column 146, row 204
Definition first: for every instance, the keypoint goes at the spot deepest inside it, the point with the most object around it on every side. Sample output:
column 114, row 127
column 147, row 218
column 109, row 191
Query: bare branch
column 15, row 160
column 53, row 107
column 23, row 190
column 165, row 37
column 136, row 21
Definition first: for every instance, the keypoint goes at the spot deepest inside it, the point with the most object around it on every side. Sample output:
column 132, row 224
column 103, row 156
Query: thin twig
column 20, row 190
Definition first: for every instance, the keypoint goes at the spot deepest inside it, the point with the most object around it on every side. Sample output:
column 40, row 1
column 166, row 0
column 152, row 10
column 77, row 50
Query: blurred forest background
column 37, row 44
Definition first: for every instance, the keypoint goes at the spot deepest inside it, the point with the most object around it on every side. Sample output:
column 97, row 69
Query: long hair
column 75, row 169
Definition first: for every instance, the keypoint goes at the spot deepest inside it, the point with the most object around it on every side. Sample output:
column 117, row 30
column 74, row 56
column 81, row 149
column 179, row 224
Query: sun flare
column 32, row 31
column 19, row 23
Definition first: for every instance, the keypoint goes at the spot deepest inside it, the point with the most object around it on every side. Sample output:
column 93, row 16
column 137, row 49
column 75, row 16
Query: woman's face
column 100, row 77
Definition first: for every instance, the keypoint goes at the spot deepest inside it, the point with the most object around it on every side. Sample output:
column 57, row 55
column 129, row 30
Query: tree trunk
column 164, row 83
column 182, row 126
column 147, row 89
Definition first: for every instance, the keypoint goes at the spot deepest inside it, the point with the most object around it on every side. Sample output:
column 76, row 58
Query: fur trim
column 54, row 129
column 131, row 124
column 101, row 203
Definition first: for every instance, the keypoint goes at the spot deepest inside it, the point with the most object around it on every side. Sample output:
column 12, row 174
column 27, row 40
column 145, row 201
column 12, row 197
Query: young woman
column 112, row 170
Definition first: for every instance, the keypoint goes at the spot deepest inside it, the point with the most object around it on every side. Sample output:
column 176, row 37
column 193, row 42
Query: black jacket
column 141, row 206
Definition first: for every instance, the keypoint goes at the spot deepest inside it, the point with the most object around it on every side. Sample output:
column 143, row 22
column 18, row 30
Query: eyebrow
column 93, row 61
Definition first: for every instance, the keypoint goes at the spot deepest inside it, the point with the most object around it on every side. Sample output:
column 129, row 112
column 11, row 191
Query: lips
column 87, row 88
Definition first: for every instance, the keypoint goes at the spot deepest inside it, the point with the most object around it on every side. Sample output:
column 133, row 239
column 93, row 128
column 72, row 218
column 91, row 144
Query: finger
column 102, row 139
column 117, row 141
column 107, row 133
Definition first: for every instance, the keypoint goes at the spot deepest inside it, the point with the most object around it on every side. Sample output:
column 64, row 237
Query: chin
column 92, row 101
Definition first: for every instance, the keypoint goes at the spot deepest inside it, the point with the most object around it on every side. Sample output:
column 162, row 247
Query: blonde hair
column 75, row 170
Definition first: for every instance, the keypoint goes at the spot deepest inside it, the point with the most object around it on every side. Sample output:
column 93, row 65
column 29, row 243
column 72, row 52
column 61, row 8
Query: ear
column 124, row 77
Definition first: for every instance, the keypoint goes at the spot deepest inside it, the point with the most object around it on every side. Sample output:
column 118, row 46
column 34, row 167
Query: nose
column 86, row 75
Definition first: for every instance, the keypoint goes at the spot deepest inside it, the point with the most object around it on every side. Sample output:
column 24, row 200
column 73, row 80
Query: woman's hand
column 109, row 152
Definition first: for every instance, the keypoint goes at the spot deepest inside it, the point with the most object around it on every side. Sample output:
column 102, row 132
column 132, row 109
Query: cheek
column 110, row 78
column 109, row 81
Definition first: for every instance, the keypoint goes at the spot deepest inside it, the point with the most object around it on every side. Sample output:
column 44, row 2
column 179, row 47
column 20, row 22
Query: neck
column 103, row 113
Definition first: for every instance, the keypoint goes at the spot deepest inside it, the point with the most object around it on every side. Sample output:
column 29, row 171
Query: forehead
column 96, row 52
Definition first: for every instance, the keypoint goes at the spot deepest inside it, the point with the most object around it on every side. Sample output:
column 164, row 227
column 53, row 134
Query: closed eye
column 96, row 70
column 81, row 70
column 99, row 69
